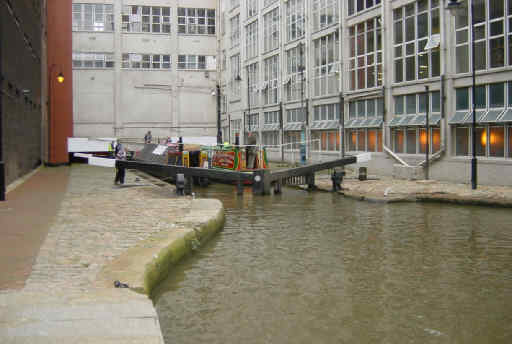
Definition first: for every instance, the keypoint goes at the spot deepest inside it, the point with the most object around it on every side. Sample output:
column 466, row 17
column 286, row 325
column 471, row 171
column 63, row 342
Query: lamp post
column 219, row 130
column 427, row 136
column 301, row 68
column 50, row 121
column 453, row 6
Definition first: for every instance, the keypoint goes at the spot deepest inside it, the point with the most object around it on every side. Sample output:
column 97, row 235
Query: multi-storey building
column 142, row 65
column 289, row 67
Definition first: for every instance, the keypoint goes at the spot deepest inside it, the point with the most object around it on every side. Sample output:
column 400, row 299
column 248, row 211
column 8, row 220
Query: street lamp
column 454, row 6
column 301, row 68
column 60, row 80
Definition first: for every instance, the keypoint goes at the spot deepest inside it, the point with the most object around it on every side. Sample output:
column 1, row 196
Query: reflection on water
column 318, row 268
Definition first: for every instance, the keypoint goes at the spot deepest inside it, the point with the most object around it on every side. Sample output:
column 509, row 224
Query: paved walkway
column 95, row 222
column 387, row 189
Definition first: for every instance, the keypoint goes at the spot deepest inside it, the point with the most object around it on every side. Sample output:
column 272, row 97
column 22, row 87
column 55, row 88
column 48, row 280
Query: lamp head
column 60, row 78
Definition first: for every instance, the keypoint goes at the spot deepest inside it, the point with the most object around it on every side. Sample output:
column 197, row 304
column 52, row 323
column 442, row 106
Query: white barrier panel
column 103, row 162
column 364, row 157
column 77, row 144
column 159, row 150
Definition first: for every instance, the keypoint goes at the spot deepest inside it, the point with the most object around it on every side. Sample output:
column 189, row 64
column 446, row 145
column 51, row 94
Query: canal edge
column 145, row 265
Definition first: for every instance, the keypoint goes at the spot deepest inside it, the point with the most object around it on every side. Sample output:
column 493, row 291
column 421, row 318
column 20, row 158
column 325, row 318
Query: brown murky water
column 318, row 268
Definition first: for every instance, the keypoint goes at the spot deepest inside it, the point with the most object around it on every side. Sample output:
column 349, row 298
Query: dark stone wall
column 21, row 103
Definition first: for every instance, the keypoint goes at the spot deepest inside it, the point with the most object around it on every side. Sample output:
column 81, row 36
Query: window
column 270, row 85
column 269, row 2
column 490, row 25
column 93, row 60
column 251, row 41
column 292, row 140
column 493, row 117
column 271, row 30
column 253, row 75
column 252, row 122
column 270, row 138
column 295, row 115
column 295, row 20
column 235, row 31
column 93, row 17
column 325, row 140
column 365, row 64
column 325, row 13
column 355, row 6
column 235, row 3
column 414, row 25
column 235, row 75
column 146, row 61
column 146, row 19
column 252, row 7
column 295, row 67
column 192, row 62
column 326, row 69
column 196, row 21
column 327, row 112
column 236, row 126
column 271, row 117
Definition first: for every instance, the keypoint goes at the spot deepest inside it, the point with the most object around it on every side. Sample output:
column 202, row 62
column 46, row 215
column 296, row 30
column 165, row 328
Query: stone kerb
column 142, row 267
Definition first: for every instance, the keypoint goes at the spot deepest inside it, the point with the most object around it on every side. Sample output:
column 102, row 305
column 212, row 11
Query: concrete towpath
column 69, row 296
column 387, row 189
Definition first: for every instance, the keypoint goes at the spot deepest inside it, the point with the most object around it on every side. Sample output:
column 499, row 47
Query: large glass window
column 354, row 6
column 93, row 17
column 326, row 112
column 146, row 19
column 326, row 69
column 325, row 140
column 146, row 61
column 295, row 19
column 325, row 13
column 192, row 62
column 271, row 30
column 253, row 75
column 365, row 64
column 235, row 31
column 414, row 25
column 251, row 40
column 270, row 86
column 295, row 68
column 252, row 7
column 492, row 35
column 93, row 60
column 196, row 21
column 235, row 75
column 270, row 138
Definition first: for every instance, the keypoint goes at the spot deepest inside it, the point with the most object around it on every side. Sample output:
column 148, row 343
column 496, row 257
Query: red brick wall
column 59, row 45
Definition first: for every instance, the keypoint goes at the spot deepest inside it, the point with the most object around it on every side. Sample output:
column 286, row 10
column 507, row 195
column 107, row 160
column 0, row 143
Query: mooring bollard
column 180, row 184
column 362, row 173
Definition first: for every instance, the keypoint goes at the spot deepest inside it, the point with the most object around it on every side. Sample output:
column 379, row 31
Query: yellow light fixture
column 60, row 78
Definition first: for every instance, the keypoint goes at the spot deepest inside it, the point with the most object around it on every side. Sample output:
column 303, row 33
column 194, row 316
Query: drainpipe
column 2, row 166
column 342, row 122
column 281, row 129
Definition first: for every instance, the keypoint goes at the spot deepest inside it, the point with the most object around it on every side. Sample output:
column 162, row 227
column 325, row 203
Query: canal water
column 319, row 268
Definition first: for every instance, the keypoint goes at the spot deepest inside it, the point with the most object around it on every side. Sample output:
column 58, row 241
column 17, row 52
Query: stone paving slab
column 386, row 189
column 96, row 223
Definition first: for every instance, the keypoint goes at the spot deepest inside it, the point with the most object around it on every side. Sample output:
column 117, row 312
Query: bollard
column 362, row 173
column 180, row 184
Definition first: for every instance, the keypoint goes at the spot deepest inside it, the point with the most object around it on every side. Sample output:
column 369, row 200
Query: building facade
column 21, row 100
column 144, row 65
column 289, row 68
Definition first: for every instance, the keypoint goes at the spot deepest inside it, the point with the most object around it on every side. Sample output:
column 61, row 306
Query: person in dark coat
column 120, row 171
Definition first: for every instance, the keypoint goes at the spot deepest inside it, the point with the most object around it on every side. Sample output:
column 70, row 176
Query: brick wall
column 20, row 58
